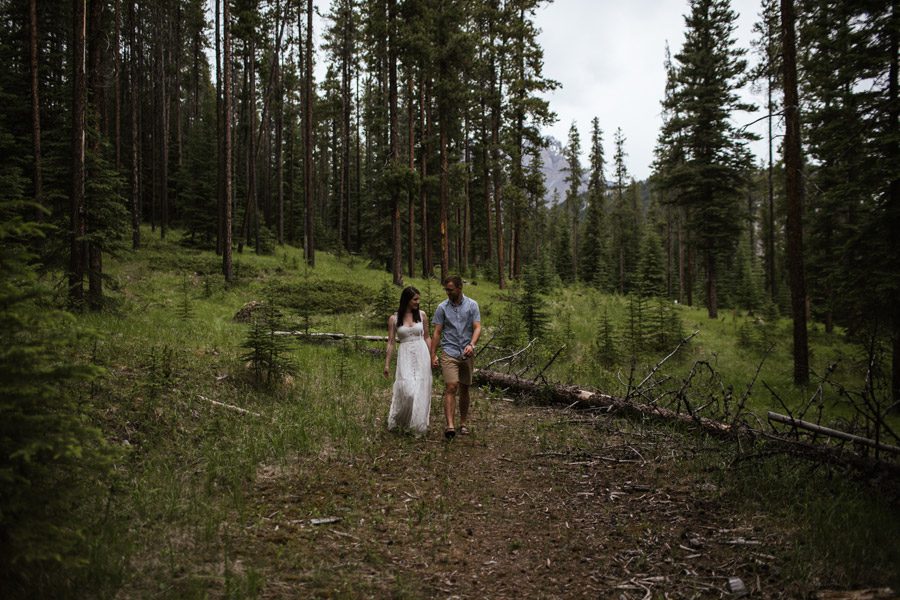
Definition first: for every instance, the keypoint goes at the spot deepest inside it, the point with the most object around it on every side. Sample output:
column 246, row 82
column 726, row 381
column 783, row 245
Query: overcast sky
column 608, row 56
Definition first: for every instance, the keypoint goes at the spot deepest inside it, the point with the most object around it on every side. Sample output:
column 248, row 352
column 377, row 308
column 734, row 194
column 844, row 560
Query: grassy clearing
column 192, row 478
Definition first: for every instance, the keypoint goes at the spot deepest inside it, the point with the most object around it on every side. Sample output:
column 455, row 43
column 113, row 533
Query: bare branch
column 511, row 356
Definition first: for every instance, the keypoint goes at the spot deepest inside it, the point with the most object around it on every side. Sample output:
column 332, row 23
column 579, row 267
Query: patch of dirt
column 537, row 502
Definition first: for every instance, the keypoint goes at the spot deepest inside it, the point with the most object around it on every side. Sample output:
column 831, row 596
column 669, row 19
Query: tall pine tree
column 708, row 72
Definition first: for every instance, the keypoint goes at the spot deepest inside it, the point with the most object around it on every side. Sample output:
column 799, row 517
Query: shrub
column 49, row 451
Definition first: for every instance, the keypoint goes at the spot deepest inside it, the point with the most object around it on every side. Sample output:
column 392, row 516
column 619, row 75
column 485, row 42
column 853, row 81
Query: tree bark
column 444, row 195
column 227, row 268
column 117, row 83
column 425, row 127
column 893, row 152
column 250, row 217
column 794, row 192
column 279, row 133
column 309, row 242
column 486, row 182
column 96, row 106
column 35, row 107
column 162, row 123
column 394, row 146
column 410, row 199
column 135, row 203
column 770, row 217
column 346, row 109
column 497, row 91
column 467, row 210
column 712, row 299
column 76, row 199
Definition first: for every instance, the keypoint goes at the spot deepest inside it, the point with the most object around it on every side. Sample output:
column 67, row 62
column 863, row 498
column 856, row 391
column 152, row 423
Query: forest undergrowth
column 226, row 484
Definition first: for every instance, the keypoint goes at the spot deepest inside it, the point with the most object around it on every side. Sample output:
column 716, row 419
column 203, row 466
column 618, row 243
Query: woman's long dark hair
column 405, row 296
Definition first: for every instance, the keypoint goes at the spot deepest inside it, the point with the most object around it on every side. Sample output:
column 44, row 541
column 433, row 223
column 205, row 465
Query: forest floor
column 537, row 502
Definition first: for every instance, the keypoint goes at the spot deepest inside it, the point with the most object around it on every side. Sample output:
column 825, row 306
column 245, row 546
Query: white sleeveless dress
column 411, row 401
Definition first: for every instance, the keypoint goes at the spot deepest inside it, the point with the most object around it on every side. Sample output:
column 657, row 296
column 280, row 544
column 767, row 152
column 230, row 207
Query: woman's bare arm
column 392, row 321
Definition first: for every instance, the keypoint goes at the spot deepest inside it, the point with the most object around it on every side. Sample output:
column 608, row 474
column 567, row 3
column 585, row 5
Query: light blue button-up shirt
column 458, row 322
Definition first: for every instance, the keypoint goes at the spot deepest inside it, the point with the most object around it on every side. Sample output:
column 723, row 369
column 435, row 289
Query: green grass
column 187, row 465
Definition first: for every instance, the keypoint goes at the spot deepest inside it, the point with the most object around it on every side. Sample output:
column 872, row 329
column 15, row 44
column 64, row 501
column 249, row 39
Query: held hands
column 468, row 351
column 434, row 360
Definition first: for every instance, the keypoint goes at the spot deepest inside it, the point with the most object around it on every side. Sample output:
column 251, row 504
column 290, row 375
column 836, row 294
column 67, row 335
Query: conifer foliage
column 712, row 156
column 49, row 451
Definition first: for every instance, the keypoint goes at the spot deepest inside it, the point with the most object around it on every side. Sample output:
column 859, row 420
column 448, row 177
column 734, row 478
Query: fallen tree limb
column 826, row 431
column 571, row 395
column 579, row 398
column 513, row 355
column 333, row 336
column 671, row 354
column 238, row 409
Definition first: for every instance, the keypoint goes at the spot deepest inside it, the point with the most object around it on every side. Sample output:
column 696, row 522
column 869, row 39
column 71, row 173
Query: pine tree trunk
column 689, row 279
column 176, row 93
column 893, row 153
column 76, row 199
column 681, row 261
column 425, row 127
column 227, row 268
column 411, row 204
column 96, row 105
column 467, row 218
column 358, row 183
column 445, row 194
column 117, row 84
column 35, row 107
column 162, row 124
column 251, row 219
column 346, row 101
column 498, row 203
column 486, row 180
column 394, row 145
column 770, row 217
column 95, row 43
column 794, row 193
column 712, row 300
column 95, row 277
column 220, row 135
column 135, row 203
column 458, row 236
column 279, row 132
column 309, row 242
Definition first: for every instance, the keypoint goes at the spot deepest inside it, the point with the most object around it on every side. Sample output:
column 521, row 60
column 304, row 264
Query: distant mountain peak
column 555, row 170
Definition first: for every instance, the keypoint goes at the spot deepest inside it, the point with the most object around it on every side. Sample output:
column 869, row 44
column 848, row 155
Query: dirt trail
column 537, row 502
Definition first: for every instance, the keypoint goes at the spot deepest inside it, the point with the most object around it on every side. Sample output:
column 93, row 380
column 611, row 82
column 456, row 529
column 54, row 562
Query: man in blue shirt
column 457, row 324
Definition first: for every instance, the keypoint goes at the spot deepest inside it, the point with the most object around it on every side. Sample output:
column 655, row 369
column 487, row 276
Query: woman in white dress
column 411, row 400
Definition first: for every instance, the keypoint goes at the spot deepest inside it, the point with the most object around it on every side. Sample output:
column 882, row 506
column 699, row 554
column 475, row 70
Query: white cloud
column 609, row 56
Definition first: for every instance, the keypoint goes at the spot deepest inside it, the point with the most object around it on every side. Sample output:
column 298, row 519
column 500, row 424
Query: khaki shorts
column 457, row 370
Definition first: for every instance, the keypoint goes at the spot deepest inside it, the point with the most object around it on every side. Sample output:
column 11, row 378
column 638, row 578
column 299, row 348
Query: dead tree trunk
column 574, row 397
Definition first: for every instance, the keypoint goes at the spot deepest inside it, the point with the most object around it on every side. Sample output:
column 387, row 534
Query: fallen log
column 315, row 335
column 574, row 397
column 580, row 398
column 826, row 431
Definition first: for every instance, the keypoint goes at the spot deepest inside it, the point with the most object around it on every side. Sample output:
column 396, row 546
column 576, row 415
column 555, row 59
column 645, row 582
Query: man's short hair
column 455, row 279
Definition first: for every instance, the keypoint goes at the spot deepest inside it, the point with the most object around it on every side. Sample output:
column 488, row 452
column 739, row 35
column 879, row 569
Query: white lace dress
column 411, row 401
